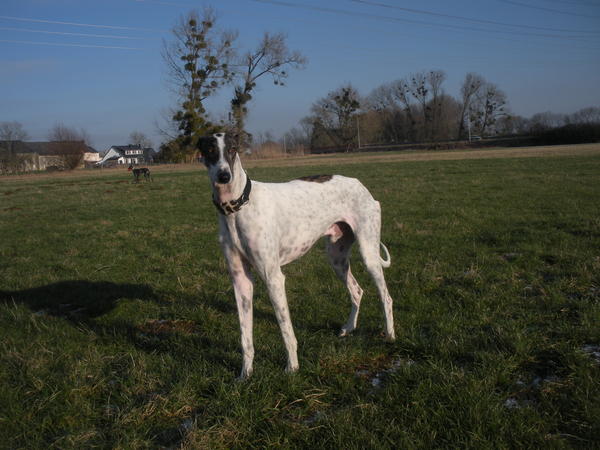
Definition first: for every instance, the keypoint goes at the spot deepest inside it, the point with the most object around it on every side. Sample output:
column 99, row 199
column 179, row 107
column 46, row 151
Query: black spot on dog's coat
column 316, row 178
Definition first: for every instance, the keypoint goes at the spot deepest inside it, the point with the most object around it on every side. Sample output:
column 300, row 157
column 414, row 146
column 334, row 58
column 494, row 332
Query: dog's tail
column 387, row 262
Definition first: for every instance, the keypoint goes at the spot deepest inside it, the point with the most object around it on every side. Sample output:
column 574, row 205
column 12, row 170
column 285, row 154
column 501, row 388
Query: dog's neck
column 224, row 193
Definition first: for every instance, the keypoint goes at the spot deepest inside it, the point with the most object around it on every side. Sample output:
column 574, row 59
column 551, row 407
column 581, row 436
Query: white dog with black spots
column 268, row 225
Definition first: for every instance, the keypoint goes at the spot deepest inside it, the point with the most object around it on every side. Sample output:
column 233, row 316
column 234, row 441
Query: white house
column 127, row 155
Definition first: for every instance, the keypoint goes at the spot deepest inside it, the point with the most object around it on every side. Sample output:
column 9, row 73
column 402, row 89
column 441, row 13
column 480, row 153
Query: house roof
column 47, row 148
column 127, row 147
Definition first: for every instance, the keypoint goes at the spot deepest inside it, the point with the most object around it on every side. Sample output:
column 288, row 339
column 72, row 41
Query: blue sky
column 96, row 64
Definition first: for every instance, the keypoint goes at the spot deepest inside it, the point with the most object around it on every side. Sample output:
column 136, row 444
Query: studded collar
column 232, row 206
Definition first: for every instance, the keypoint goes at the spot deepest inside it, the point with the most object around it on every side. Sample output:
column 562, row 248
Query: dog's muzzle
column 223, row 177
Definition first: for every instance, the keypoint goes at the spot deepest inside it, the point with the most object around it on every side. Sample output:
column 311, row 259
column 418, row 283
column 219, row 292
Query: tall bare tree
column 435, row 106
column 426, row 88
column 270, row 58
column 393, row 123
column 469, row 91
column 61, row 132
column 491, row 105
column 69, row 143
column 401, row 91
column 139, row 138
column 335, row 113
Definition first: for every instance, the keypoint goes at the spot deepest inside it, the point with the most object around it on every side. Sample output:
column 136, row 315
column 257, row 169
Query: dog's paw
column 244, row 375
column 390, row 337
column 291, row 369
column 345, row 331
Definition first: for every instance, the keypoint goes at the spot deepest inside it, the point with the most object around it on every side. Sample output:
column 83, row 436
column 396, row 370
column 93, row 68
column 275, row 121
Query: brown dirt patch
column 163, row 327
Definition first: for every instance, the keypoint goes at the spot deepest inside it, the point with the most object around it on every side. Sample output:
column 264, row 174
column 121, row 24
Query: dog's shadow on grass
column 77, row 300
column 81, row 301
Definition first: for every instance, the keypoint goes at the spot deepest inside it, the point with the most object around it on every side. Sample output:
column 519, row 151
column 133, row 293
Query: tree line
column 417, row 109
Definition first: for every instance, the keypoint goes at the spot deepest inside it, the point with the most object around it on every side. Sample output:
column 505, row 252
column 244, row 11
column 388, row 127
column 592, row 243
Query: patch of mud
column 528, row 392
column 164, row 327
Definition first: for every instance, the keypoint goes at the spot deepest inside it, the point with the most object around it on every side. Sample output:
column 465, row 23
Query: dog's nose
column 223, row 177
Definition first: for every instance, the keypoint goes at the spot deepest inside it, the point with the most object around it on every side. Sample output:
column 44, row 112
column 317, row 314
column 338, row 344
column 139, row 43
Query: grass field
column 118, row 325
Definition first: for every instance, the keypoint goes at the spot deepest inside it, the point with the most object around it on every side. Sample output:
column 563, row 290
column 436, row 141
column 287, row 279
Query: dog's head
column 218, row 153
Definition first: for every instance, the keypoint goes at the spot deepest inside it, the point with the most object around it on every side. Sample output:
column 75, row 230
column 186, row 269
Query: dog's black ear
column 202, row 142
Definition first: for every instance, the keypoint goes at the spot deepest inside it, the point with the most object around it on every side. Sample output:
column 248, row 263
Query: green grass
column 118, row 325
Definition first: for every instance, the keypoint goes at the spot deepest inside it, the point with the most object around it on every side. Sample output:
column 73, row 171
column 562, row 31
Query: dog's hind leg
column 338, row 253
column 368, row 237
column 243, row 288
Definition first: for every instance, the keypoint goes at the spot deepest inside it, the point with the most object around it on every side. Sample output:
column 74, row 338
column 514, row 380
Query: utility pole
column 469, row 125
column 358, row 131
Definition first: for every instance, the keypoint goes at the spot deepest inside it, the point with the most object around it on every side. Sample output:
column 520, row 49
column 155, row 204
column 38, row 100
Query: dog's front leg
column 243, row 288
column 275, row 281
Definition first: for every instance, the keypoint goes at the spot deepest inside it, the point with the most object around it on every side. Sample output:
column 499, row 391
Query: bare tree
column 139, row 138
column 307, row 124
column 10, row 134
column 295, row 141
column 335, row 115
column 491, row 105
column 434, row 108
column 12, row 131
column 389, row 111
column 586, row 115
column 61, row 132
column 271, row 57
column 69, row 143
column 469, row 92
column 546, row 120
column 401, row 91
column 426, row 88
column 447, row 109
column 420, row 92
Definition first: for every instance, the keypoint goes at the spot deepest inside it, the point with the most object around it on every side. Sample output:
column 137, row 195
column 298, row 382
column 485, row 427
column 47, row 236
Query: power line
column 69, row 45
column 157, row 2
column 64, row 33
column 418, row 22
column 77, row 24
column 542, row 8
column 468, row 19
column 576, row 3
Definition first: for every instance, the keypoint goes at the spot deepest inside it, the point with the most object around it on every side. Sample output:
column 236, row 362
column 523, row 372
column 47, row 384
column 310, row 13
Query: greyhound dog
column 139, row 172
column 268, row 225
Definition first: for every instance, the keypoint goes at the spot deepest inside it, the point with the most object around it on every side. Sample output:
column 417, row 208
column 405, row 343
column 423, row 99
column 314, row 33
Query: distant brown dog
column 139, row 172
